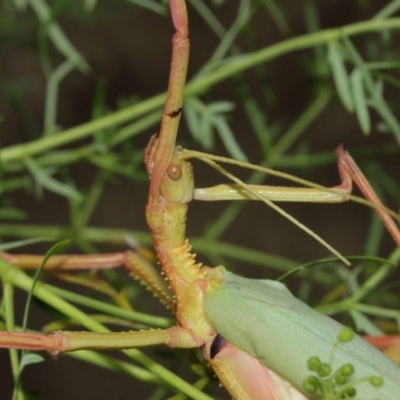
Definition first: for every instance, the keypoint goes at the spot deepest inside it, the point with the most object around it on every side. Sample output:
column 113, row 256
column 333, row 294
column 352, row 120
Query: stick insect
column 205, row 296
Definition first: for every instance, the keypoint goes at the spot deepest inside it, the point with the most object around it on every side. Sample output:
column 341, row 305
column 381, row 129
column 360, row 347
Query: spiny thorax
column 166, row 216
column 186, row 277
column 167, row 223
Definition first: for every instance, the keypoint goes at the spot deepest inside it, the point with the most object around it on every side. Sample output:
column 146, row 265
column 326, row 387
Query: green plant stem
column 94, row 234
column 118, row 236
column 199, row 85
column 287, row 46
column 110, row 309
column 113, row 364
column 38, row 146
column 105, row 361
column 16, row 277
column 57, row 36
column 373, row 281
column 8, row 298
column 378, row 311
column 50, row 116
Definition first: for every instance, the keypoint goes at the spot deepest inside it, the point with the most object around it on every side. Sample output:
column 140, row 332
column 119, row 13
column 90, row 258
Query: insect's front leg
column 139, row 267
column 98, row 338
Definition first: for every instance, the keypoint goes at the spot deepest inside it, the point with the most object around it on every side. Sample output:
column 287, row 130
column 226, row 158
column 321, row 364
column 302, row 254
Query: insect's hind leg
column 347, row 166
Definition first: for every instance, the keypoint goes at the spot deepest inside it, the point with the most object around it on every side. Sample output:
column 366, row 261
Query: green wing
column 264, row 319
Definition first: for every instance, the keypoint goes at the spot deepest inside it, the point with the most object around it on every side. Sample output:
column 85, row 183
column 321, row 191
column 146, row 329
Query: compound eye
column 174, row 172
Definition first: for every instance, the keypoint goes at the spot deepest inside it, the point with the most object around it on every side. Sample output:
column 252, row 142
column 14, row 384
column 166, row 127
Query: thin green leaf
column 200, row 120
column 376, row 231
column 327, row 261
column 56, row 35
column 229, row 140
column 340, row 75
column 12, row 184
column 53, row 84
column 192, row 117
column 7, row 313
column 379, row 89
column 21, row 5
column 200, row 384
column 58, row 247
column 388, row 10
column 204, row 11
column 206, row 136
column 363, row 324
column 25, row 242
column 222, row 107
column 89, row 5
column 151, row 5
column 379, row 65
column 48, row 182
column 377, row 100
column 360, row 102
column 10, row 213
column 277, row 16
column 203, row 119
column 28, row 359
